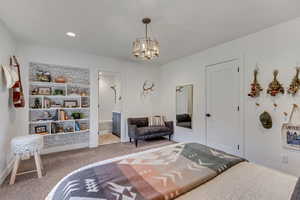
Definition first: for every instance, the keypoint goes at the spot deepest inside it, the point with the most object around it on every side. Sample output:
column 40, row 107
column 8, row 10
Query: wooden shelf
column 68, row 89
column 41, row 122
column 57, row 121
column 46, row 83
column 41, row 109
column 57, row 96
column 74, row 132
column 82, row 131
column 59, row 84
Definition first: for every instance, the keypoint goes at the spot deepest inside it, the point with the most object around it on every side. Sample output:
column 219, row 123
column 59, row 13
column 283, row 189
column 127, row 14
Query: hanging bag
column 11, row 76
column 18, row 95
column 8, row 76
column 290, row 133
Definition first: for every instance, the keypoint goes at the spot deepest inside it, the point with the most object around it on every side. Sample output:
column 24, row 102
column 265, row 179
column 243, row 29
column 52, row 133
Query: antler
column 149, row 88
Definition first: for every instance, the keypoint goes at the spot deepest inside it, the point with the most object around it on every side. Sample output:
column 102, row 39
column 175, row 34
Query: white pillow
column 157, row 121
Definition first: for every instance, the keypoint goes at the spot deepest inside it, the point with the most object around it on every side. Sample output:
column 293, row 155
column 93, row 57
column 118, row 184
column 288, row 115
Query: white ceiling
column 108, row 27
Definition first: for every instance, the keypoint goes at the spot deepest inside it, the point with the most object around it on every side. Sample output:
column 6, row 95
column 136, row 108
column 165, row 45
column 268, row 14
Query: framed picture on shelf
column 44, row 91
column 70, row 103
column 43, row 76
column 41, row 129
column 83, row 126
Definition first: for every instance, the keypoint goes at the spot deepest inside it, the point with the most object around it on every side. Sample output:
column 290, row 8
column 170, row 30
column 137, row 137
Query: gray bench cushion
column 139, row 122
column 152, row 129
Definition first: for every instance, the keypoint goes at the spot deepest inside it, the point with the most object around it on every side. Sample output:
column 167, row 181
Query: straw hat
column 11, row 76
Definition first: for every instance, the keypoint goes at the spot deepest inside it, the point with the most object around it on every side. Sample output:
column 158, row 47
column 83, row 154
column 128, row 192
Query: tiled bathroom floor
column 108, row 138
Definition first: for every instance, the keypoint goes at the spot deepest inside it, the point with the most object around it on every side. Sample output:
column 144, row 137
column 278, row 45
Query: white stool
column 24, row 147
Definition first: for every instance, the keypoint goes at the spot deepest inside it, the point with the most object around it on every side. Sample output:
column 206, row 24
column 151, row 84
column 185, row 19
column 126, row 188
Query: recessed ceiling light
column 71, row 34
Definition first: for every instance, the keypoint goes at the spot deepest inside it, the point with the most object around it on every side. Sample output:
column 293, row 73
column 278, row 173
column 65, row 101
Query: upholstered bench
column 139, row 129
column 23, row 148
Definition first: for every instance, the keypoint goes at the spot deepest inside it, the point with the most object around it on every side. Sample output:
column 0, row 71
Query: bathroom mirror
column 184, row 106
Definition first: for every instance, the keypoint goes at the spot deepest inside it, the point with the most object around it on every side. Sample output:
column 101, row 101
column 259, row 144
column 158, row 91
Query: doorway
column 223, row 126
column 109, row 102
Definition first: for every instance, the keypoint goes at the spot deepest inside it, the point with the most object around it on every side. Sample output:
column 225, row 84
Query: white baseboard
column 6, row 171
column 65, row 148
column 102, row 132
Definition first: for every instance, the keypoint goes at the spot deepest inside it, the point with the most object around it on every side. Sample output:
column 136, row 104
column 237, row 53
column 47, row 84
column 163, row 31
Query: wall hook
column 275, row 105
column 257, row 104
column 285, row 114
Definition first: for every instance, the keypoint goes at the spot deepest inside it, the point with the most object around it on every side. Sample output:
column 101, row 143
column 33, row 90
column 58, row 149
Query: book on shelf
column 63, row 115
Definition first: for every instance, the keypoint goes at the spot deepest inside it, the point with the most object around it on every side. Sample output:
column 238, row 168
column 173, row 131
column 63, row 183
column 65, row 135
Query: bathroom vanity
column 116, row 124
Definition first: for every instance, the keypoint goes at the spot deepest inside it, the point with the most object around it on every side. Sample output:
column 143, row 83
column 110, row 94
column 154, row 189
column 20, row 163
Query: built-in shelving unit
column 59, row 109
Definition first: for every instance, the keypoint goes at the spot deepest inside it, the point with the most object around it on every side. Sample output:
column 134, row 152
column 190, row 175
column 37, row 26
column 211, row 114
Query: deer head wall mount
column 148, row 87
column 114, row 88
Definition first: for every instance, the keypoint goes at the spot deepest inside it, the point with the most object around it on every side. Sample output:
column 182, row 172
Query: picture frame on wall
column 41, row 129
column 290, row 133
column 70, row 103
column 291, row 136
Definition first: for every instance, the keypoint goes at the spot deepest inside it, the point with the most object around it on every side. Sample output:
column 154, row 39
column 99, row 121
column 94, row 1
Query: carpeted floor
column 58, row 165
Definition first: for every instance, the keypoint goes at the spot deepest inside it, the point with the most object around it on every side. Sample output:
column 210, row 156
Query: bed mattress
column 245, row 181
column 230, row 178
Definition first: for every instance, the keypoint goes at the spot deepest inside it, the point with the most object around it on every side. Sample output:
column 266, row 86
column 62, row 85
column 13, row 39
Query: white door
column 223, row 118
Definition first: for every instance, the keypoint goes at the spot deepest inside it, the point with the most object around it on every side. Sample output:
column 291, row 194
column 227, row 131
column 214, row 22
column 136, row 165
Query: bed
column 183, row 171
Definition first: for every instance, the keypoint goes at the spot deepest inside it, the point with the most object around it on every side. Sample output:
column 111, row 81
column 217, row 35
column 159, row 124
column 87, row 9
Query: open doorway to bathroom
column 109, row 107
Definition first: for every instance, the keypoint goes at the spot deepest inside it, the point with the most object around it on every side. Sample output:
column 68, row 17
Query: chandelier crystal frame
column 146, row 48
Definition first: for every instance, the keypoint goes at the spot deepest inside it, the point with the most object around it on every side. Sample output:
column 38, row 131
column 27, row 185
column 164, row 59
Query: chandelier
column 146, row 48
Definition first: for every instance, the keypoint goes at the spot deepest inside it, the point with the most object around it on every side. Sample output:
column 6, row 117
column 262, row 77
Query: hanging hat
column 8, row 76
column 266, row 120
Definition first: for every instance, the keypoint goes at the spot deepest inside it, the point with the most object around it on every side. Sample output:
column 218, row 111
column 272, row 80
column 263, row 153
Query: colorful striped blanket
column 163, row 174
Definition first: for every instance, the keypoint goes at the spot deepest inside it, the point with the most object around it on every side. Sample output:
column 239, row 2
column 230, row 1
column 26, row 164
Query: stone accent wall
column 65, row 139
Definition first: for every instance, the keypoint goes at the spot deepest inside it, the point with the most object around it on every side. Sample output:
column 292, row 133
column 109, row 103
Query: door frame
column 240, row 63
column 119, row 74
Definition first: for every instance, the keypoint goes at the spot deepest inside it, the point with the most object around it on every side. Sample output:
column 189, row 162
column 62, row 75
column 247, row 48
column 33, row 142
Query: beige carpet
column 58, row 165
column 108, row 138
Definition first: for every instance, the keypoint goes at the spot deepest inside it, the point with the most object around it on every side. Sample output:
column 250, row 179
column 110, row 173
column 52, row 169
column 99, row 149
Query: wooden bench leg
column 15, row 170
column 38, row 164
column 136, row 142
column 40, row 160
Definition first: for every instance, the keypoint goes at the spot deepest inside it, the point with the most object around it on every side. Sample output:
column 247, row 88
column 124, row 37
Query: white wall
column 132, row 74
column 277, row 47
column 7, row 111
column 107, row 97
